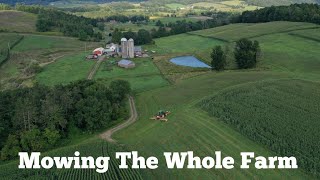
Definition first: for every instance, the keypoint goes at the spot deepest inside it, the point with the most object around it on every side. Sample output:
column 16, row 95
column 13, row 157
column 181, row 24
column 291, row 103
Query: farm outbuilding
column 126, row 64
column 98, row 51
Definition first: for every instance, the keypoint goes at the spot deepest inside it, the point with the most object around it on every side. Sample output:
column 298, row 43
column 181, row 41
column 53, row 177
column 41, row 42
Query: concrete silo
column 124, row 48
column 131, row 48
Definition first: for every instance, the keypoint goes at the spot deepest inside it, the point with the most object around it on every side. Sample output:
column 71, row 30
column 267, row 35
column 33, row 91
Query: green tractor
column 161, row 116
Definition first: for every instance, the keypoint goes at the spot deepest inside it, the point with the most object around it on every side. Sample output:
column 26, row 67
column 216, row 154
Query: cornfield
column 282, row 115
column 95, row 149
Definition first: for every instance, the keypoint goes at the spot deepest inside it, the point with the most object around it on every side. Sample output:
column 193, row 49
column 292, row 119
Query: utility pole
column 9, row 46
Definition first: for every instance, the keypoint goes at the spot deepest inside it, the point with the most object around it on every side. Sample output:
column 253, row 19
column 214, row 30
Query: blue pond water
column 189, row 61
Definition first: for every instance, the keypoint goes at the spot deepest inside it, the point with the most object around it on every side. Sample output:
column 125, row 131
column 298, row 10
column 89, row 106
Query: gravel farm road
column 133, row 117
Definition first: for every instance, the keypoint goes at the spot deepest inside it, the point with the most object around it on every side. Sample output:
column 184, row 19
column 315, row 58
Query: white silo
column 131, row 48
column 124, row 48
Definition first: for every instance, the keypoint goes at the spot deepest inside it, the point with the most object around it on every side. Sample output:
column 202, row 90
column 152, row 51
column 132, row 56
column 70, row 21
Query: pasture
column 183, row 43
column 65, row 70
column 145, row 76
column 16, row 21
column 39, row 49
column 278, row 114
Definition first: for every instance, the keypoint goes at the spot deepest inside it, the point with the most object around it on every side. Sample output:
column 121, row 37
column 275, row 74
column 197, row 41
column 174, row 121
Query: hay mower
column 161, row 116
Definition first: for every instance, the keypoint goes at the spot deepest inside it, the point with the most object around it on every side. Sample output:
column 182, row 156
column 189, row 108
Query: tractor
column 161, row 116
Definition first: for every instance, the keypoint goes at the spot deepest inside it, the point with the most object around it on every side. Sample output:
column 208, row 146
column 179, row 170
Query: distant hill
column 262, row 3
column 266, row 3
column 46, row 2
column 17, row 21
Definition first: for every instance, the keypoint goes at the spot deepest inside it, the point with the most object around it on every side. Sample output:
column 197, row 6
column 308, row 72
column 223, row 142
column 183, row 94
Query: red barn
column 98, row 51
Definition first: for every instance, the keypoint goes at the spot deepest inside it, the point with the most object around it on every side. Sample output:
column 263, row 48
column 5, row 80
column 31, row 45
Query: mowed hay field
column 16, row 21
column 190, row 128
column 145, row 76
column 278, row 114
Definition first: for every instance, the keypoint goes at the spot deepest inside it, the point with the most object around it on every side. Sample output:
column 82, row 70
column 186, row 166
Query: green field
column 7, row 41
column 292, row 54
column 191, row 129
column 280, row 98
column 39, row 49
column 175, row 6
column 145, row 76
column 283, row 117
column 16, row 21
column 312, row 34
column 47, row 43
column 183, row 43
column 237, row 31
column 65, row 70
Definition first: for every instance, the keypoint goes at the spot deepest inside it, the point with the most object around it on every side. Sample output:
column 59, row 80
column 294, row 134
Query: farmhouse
column 111, row 48
column 126, row 64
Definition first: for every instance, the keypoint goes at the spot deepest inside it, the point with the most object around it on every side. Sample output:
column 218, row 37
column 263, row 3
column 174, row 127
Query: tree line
column 124, row 19
column 140, row 38
column 36, row 119
column 246, row 54
column 184, row 26
column 295, row 12
column 70, row 25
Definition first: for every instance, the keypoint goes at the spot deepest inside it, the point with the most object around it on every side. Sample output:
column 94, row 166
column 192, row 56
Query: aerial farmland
column 63, row 91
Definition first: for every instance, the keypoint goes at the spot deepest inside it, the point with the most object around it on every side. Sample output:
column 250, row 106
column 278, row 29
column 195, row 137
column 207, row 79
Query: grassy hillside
column 17, row 21
column 67, row 69
column 39, row 49
column 7, row 41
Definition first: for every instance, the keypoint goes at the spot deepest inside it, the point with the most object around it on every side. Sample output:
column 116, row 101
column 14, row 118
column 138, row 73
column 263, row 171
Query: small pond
column 189, row 61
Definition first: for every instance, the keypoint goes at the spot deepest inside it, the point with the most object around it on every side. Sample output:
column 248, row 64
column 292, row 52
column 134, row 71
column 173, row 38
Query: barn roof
column 137, row 48
column 125, row 62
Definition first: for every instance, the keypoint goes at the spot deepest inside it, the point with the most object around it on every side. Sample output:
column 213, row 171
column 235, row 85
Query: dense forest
column 295, row 12
column 35, row 119
column 124, row 19
column 179, row 27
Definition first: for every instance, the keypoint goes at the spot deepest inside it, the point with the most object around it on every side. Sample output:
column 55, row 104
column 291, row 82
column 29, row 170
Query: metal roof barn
column 126, row 64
